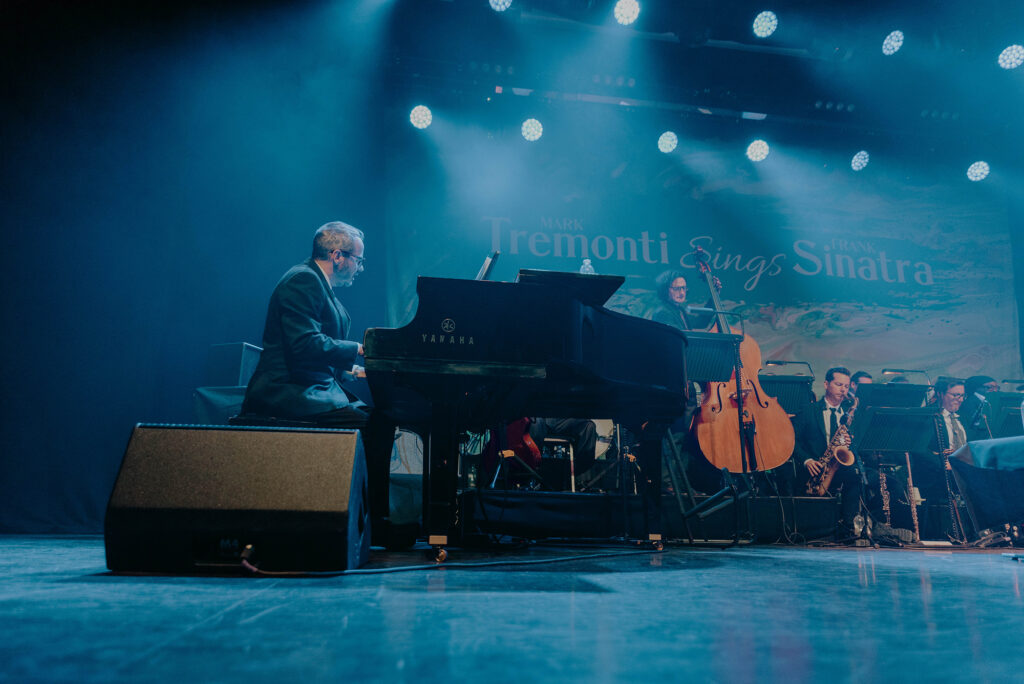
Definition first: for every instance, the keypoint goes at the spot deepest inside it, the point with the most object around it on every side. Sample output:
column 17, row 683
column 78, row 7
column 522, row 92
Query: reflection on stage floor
column 603, row 613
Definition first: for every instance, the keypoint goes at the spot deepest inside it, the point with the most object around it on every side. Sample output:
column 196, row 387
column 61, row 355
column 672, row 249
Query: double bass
column 739, row 427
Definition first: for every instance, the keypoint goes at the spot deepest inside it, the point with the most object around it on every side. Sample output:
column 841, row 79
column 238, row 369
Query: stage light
column 765, row 24
column 532, row 130
column 860, row 160
column 892, row 43
column 757, row 151
column 420, row 116
column 668, row 141
column 1012, row 57
column 500, row 5
column 977, row 171
column 626, row 11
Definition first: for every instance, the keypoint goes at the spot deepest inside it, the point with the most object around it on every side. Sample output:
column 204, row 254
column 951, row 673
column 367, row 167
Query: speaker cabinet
column 191, row 498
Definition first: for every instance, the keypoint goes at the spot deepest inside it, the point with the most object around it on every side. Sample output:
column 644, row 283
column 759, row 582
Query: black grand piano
column 478, row 352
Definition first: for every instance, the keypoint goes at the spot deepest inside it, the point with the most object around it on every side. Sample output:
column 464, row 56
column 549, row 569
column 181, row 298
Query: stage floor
column 741, row 614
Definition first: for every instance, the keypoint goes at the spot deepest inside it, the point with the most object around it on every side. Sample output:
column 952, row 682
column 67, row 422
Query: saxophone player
column 814, row 428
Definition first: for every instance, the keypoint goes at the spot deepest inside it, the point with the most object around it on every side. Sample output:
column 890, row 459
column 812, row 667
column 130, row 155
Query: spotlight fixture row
column 757, row 151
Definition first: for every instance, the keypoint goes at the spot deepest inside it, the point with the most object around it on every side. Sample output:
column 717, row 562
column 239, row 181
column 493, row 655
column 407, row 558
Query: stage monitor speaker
column 191, row 498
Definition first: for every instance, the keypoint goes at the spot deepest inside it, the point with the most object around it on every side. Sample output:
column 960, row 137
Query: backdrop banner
column 831, row 267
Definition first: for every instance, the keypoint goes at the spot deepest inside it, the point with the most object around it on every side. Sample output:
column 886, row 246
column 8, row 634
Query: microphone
column 976, row 417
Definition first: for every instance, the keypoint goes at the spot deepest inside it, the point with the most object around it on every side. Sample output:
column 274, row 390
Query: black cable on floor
column 249, row 567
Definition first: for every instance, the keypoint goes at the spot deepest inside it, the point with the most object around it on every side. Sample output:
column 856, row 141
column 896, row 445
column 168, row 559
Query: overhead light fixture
column 668, row 141
column 978, row 171
column 765, row 24
column 420, row 116
column 626, row 11
column 860, row 160
column 757, row 151
column 1012, row 57
column 892, row 43
column 532, row 130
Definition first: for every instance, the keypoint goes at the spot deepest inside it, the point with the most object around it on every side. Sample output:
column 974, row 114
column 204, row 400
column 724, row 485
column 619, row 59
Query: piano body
column 480, row 352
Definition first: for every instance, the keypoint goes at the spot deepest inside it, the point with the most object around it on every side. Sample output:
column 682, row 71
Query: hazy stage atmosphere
column 840, row 182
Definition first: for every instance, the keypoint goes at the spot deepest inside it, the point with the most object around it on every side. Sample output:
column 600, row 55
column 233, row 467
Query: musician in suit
column 305, row 353
column 947, row 435
column 976, row 412
column 814, row 427
column 306, row 357
column 671, row 288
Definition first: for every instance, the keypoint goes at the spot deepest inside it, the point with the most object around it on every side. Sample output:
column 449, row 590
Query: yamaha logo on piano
column 448, row 326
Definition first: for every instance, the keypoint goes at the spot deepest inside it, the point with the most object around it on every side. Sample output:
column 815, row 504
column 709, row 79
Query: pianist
column 306, row 357
column 305, row 353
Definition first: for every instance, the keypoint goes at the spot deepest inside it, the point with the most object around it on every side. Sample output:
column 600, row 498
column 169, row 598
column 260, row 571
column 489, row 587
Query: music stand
column 711, row 357
column 488, row 266
column 886, row 432
column 893, row 430
column 892, row 394
column 793, row 392
column 1006, row 418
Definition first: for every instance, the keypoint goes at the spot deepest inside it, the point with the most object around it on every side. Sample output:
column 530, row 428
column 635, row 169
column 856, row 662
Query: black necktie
column 833, row 423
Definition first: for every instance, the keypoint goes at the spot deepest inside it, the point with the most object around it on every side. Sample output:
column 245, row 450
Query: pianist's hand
column 359, row 352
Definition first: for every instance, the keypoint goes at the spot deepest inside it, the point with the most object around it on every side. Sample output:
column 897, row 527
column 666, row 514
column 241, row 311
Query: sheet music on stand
column 885, row 430
column 711, row 357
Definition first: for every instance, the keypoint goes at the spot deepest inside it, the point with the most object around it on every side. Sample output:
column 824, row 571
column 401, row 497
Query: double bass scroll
column 739, row 427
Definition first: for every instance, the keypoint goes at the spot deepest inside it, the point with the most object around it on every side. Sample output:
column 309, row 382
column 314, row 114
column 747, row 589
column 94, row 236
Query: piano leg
column 440, row 477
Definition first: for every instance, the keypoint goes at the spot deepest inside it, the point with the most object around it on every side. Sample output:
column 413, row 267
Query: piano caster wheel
column 439, row 554
column 658, row 546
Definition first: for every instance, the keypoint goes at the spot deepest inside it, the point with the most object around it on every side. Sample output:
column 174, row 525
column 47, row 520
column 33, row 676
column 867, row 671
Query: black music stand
column 710, row 357
column 886, row 432
column 1006, row 418
column 793, row 392
column 892, row 394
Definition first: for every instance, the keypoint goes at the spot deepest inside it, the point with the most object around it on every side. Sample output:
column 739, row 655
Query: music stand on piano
column 889, row 432
column 488, row 266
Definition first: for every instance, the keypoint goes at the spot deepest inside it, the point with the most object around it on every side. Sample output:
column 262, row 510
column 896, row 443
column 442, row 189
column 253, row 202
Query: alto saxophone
column 837, row 454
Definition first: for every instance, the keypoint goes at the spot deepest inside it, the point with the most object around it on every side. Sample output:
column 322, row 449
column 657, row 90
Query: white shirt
column 827, row 416
column 951, row 425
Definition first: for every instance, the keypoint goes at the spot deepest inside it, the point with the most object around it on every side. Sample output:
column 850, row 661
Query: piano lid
column 592, row 290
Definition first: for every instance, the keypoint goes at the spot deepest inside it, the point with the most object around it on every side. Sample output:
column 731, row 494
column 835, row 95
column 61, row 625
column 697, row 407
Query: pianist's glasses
column 350, row 255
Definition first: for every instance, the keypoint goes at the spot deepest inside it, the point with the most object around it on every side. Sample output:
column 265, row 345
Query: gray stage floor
column 764, row 614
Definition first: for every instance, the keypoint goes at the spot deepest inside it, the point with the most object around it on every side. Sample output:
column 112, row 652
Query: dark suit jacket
column 809, row 430
column 304, row 349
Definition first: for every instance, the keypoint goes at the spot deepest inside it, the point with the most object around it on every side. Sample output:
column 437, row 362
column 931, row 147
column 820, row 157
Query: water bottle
column 587, row 268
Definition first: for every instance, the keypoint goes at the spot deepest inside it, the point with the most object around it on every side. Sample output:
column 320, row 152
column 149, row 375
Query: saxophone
column 837, row 454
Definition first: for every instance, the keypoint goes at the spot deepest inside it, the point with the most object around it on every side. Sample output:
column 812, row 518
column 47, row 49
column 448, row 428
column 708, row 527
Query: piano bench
column 249, row 420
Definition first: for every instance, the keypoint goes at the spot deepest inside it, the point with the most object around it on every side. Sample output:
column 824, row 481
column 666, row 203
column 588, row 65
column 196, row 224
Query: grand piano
column 479, row 352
